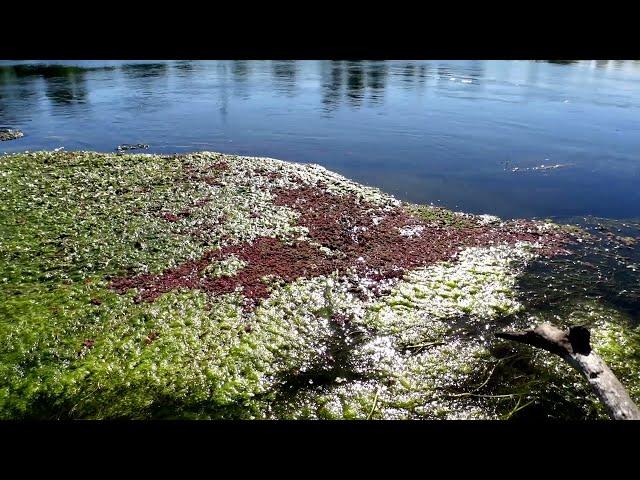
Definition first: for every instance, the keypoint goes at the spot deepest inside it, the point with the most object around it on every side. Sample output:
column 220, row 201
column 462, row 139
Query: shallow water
column 604, row 268
column 447, row 132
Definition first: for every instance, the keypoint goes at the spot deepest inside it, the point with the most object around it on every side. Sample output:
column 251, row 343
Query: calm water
column 444, row 132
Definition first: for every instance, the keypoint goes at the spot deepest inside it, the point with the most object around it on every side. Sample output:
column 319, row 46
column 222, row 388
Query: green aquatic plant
column 441, row 216
column 361, row 329
column 478, row 285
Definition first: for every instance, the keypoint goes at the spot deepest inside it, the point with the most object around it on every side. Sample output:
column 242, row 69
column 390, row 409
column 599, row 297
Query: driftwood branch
column 574, row 347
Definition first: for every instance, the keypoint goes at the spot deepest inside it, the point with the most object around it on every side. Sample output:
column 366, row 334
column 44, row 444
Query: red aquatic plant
column 170, row 217
column 151, row 337
column 375, row 242
column 264, row 257
column 221, row 165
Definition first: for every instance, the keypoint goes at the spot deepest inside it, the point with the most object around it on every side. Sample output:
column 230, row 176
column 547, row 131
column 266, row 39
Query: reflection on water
column 185, row 65
column 144, row 70
column 332, row 79
column 562, row 62
column 426, row 131
column 67, row 89
column 355, row 84
column 284, row 77
column 376, row 78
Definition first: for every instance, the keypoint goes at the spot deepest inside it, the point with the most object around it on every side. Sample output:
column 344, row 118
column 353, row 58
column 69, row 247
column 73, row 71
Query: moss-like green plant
column 321, row 346
column 441, row 216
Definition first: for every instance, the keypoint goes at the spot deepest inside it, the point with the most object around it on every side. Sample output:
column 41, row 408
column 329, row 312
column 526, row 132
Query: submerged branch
column 574, row 347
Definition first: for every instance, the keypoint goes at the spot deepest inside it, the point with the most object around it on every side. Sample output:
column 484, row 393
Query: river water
column 476, row 136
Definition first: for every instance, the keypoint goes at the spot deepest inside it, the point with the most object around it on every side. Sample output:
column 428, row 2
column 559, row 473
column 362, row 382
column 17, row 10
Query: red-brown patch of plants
column 345, row 224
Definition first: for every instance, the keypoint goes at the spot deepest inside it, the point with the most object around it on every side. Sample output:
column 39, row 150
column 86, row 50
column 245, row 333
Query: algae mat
column 217, row 286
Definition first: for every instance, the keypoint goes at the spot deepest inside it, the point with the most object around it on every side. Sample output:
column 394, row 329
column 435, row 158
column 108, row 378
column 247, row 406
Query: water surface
column 444, row 132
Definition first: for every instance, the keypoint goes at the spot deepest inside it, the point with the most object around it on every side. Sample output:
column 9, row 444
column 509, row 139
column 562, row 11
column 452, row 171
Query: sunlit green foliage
column 70, row 347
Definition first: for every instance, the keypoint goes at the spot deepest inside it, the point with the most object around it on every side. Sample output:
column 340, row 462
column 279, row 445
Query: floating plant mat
column 9, row 134
column 217, row 286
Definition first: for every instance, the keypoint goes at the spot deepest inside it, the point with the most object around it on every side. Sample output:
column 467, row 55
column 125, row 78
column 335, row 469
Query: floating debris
column 137, row 146
column 9, row 134
column 541, row 168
